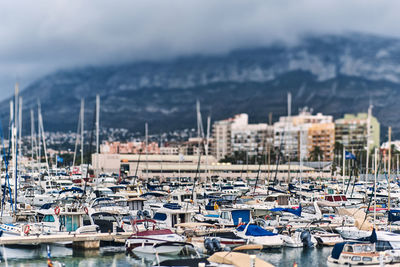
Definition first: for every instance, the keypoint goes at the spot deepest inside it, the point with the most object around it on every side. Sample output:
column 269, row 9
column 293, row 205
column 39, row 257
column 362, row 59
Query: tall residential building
column 222, row 137
column 322, row 135
column 351, row 131
column 297, row 136
column 237, row 135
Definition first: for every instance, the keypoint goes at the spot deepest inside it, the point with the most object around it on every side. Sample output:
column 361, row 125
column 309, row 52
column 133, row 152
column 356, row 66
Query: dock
column 84, row 241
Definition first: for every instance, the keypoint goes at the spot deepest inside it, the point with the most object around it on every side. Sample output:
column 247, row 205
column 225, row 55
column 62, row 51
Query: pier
column 82, row 241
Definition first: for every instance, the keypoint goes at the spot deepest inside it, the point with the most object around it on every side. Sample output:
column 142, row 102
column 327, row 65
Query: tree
column 316, row 154
column 337, row 151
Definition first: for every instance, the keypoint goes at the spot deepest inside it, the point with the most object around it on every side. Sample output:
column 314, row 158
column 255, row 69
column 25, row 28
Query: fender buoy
column 57, row 210
column 267, row 217
column 27, row 229
column 86, row 210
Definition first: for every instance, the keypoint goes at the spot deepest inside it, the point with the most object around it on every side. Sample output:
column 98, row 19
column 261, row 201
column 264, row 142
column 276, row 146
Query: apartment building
column 297, row 136
column 236, row 134
column 351, row 131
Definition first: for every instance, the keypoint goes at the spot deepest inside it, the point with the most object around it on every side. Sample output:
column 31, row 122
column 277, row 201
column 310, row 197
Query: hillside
column 331, row 74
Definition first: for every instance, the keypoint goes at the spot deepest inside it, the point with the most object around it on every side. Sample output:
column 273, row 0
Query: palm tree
column 338, row 151
column 316, row 154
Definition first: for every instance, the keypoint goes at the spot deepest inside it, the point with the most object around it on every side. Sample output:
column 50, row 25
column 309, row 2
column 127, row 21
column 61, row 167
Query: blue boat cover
column 160, row 216
column 46, row 206
column 72, row 189
column 270, row 188
column 296, row 212
column 172, row 206
column 394, row 216
column 337, row 250
column 243, row 214
column 255, row 230
column 373, row 238
column 210, row 207
column 212, row 215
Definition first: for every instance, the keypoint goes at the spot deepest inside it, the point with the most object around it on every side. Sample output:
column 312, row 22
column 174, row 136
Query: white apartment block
column 222, row 138
column 236, row 134
column 291, row 133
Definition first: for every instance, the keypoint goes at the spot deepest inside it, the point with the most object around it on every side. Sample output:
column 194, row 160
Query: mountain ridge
column 331, row 74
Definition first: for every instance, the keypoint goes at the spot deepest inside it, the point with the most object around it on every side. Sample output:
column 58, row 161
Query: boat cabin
column 136, row 203
column 357, row 253
column 281, row 199
column 336, row 198
column 106, row 221
column 65, row 221
column 172, row 214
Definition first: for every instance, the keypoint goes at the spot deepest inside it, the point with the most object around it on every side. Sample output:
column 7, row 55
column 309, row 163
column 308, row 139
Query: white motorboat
column 257, row 235
column 150, row 239
column 352, row 232
column 162, row 248
column 298, row 239
column 325, row 238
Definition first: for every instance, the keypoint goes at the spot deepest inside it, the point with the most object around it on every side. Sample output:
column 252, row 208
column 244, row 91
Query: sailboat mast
column 289, row 96
column 368, row 142
column 82, row 128
column 389, row 164
column 15, row 144
column 200, row 132
column 32, row 130
column 77, row 139
column 20, row 128
column 11, row 141
column 97, row 133
column 301, row 157
column 343, row 166
column 207, row 142
column 375, row 178
column 44, row 140
column 39, row 147
column 146, row 132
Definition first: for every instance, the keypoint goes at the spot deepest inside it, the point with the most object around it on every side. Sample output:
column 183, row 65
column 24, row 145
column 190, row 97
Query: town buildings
column 297, row 136
column 236, row 134
column 301, row 137
column 187, row 166
column 351, row 131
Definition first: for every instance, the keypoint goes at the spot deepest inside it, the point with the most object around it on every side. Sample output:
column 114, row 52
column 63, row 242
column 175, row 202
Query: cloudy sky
column 41, row 36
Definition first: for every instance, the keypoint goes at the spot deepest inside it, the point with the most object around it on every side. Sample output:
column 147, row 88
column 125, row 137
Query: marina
column 203, row 133
column 211, row 214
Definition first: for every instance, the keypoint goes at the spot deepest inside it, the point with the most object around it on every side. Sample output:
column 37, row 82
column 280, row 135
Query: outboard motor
column 228, row 249
column 305, row 237
column 209, row 245
column 217, row 244
column 139, row 214
column 146, row 214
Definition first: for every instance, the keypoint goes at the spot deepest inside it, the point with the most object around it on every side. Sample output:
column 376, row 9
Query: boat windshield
column 395, row 244
column 363, row 248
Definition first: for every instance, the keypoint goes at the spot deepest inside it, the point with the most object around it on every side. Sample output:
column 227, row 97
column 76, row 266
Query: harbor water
column 115, row 256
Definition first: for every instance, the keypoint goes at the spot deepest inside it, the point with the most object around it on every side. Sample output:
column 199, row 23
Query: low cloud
column 37, row 37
